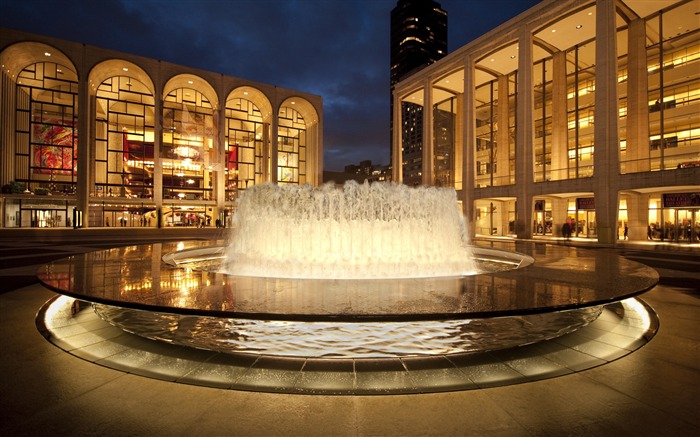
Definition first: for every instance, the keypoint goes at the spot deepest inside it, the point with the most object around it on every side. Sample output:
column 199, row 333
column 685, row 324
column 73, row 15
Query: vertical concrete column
column 397, row 141
column 500, row 218
column 637, row 155
column 7, row 128
column 7, row 123
column 525, row 135
column 559, row 214
column 157, row 147
column 467, row 113
column 501, row 155
column 266, row 151
column 560, row 128
column 606, row 137
column 274, row 143
column 637, row 215
column 221, row 158
column 458, row 144
column 86, row 144
column 428, row 146
column 318, row 135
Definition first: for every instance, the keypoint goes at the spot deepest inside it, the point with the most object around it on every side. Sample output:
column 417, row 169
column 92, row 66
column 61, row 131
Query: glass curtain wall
column 506, row 159
column 187, row 151
column 674, row 90
column 495, row 132
column 46, row 128
column 412, row 146
column 245, row 144
column 580, row 66
column 486, row 131
column 444, row 131
column 291, row 145
column 542, row 74
column 124, row 134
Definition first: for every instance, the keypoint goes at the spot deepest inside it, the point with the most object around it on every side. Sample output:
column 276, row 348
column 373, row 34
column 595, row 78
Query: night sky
column 338, row 49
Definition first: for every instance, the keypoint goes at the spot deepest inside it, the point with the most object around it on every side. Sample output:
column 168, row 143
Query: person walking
column 566, row 230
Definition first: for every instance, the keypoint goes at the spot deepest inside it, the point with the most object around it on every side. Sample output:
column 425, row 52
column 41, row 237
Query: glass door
column 585, row 224
column 688, row 225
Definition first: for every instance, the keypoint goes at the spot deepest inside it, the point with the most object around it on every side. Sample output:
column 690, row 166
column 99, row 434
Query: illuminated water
column 362, row 231
column 348, row 340
column 309, row 265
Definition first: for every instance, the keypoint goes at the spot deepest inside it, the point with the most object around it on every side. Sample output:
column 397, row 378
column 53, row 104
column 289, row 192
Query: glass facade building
column 584, row 113
column 96, row 138
column 418, row 38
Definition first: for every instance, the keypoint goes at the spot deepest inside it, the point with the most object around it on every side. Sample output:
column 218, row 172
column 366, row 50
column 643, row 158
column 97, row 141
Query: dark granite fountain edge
column 604, row 278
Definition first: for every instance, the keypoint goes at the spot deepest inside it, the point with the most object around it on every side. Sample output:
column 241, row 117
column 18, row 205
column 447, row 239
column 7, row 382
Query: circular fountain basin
column 185, row 300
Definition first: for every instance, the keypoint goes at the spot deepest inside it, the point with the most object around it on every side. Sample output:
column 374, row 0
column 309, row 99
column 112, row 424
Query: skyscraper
column 418, row 38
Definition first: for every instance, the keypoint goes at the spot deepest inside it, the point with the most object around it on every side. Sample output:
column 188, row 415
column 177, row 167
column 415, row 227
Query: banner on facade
column 585, row 203
column 681, row 200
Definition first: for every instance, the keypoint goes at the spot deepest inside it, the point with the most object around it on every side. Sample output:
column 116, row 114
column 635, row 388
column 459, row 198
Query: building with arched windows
column 577, row 112
column 96, row 138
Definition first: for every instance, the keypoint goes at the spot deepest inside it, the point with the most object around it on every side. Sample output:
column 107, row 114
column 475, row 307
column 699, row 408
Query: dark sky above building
column 338, row 49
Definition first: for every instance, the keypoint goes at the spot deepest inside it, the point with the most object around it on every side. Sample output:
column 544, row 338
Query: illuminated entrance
column 681, row 217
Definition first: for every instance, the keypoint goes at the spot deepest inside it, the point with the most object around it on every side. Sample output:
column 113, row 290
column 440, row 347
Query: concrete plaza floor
column 654, row 391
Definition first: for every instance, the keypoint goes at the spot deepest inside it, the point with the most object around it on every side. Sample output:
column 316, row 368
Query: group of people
column 123, row 221
column 682, row 231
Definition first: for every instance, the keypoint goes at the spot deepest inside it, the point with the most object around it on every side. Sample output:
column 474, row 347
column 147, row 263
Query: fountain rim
column 77, row 262
column 516, row 259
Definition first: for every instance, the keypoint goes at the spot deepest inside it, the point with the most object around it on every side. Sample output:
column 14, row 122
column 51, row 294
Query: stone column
column 7, row 129
column 266, row 151
column 637, row 155
column 7, row 123
column 637, row 215
column 606, row 137
column 221, row 162
column 157, row 147
column 458, row 154
column 86, row 143
column 467, row 113
column 525, row 136
column 559, row 214
column 560, row 122
column 274, row 144
column 500, row 155
column 428, row 149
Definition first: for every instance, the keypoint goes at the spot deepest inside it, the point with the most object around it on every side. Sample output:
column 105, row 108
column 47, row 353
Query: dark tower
column 418, row 38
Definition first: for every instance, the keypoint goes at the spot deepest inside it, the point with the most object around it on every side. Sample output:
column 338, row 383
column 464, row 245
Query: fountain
column 370, row 272
column 362, row 231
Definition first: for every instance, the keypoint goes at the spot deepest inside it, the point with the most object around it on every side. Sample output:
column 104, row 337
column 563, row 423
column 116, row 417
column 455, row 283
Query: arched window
column 187, row 153
column 291, row 147
column 244, row 146
column 124, row 136
column 46, row 128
